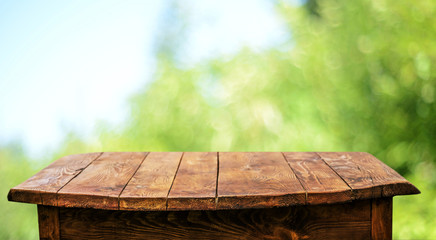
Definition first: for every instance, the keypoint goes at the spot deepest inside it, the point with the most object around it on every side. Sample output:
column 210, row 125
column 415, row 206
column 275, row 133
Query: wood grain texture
column 381, row 218
column 194, row 187
column 359, row 180
column 209, row 180
column 368, row 176
column 256, row 179
column 48, row 222
column 149, row 187
column 321, row 183
column 43, row 186
column 339, row 221
column 101, row 183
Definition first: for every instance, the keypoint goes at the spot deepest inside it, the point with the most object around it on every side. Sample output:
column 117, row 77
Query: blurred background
column 303, row 75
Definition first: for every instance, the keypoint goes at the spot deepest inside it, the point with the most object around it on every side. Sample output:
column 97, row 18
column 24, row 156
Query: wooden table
column 210, row 195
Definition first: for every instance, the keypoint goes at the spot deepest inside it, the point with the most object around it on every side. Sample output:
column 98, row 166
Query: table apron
column 363, row 219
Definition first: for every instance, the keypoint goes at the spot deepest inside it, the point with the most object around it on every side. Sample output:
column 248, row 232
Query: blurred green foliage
column 355, row 76
column 17, row 221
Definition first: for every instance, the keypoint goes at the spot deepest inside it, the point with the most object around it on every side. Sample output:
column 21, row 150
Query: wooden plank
column 149, row 187
column 43, row 186
column 357, row 178
column 381, row 218
column 100, row 184
column 48, row 221
column 368, row 176
column 337, row 221
column 382, row 175
column 243, row 180
column 321, row 183
column 256, row 179
column 194, row 187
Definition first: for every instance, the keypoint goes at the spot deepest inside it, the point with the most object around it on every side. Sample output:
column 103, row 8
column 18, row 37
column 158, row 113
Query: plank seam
column 174, row 178
column 369, row 174
column 352, row 190
column 217, row 175
column 122, row 190
column 57, row 192
column 293, row 171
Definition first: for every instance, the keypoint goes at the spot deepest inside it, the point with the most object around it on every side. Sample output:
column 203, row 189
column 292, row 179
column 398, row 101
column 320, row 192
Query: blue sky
column 65, row 65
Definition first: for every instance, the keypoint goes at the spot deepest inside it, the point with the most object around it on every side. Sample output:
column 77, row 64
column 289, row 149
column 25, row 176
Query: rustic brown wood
column 260, row 179
column 321, row 183
column 194, row 187
column 43, row 186
column 368, row 176
column 382, row 175
column 197, row 195
column 381, row 218
column 101, row 183
column 243, row 180
column 359, row 180
column 149, row 187
column 48, row 220
column 338, row 221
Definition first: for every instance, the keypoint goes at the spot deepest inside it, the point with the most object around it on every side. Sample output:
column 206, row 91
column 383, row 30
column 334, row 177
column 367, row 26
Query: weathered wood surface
column 338, row 221
column 194, row 187
column 48, row 222
column 321, row 183
column 368, row 176
column 248, row 180
column 163, row 181
column 149, row 187
column 101, row 183
column 43, row 186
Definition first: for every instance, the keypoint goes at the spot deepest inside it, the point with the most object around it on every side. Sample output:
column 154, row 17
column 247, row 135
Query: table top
column 160, row 181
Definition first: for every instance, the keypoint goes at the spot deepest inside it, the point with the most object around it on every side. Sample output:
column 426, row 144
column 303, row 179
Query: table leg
column 48, row 220
column 381, row 218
